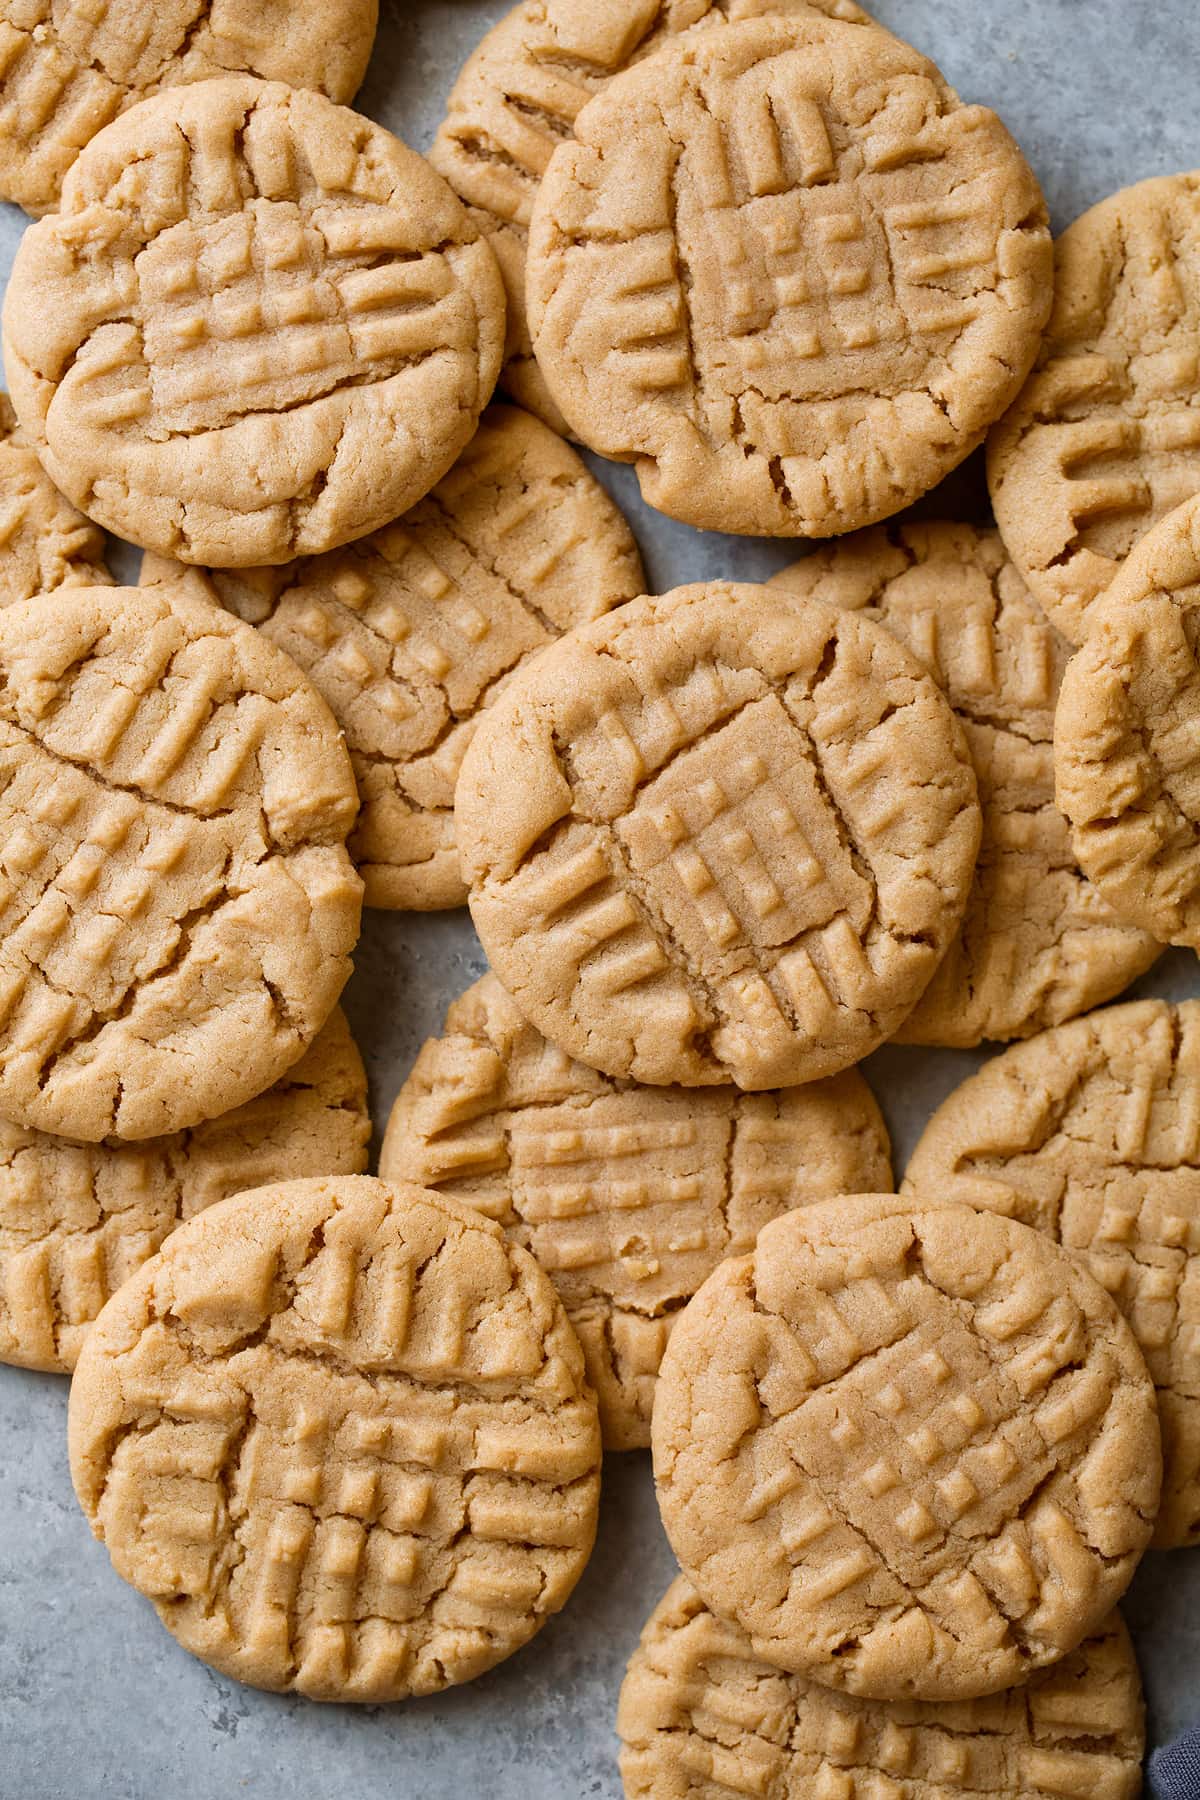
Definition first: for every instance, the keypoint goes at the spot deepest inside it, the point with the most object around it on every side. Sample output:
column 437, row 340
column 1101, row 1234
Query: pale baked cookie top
column 258, row 327
column 1126, row 730
column 69, row 66
column 1091, row 1133
column 44, row 543
column 1104, row 437
column 76, row 1220
column 702, row 1718
column 411, row 632
column 722, row 835
column 177, row 909
column 516, row 99
column 1037, row 944
column 338, row 1432
column 628, row 1196
column 787, row 274
column 912, row 1449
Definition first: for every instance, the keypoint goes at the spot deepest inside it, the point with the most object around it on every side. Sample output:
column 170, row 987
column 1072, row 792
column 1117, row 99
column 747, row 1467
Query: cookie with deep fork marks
column 787, row 274
column 339, row 1433
column 912, row 1449
column 723, row 835
column 701, row 1717
column 177, row 908
column 257, row 327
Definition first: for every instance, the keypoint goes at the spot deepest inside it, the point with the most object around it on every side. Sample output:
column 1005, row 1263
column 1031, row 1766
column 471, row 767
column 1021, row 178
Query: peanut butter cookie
column 722, row 835
column 702, row 1718
column 257, row 327
column 783, row 271
column 1104, row 438
column 910, row 1448
column 409, row 633
column 177, row 909
column 1037, row 944
column 76, row 1220
column 518, row 97
column 44, row 543
column 1127, row 770
column 1091, row 1133
column 628, row 1196
column 67, row 67
column 339, row 1434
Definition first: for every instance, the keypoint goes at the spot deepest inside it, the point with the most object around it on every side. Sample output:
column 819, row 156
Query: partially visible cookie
column 910, row 1448
column 629, row 1196
column 722, row 835
column 1037, row 945
column 44, row 543
column 69, row 66
column 177, row 909
column 1091, row 1133
column 787, row 274
column 1104, row 438
column 1126, row 735
column 339, row 1434
column 516, row 99
column 409, row 633
column 258, row 327
column 702, row 1718
column 76, row 1220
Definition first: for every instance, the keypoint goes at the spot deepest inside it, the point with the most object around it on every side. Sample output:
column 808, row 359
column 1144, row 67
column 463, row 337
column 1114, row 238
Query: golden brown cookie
column 44, row 543
column 76, row 1220
column 1127, row 770
column 722, row 835
column 1037, row 944
column 410, row 632
column 628, row 1196
column 177, row 909
column 787, row 274
column 69, row 66
column 339, row 1434
column 1104, row 438
column 517, row 98
column 910, row 1448
column 1091, row 1133
column 702, row 1718
column 258, row 327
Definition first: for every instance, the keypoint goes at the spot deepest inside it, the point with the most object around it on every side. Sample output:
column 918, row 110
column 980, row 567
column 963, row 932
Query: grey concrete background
column 95, row 1698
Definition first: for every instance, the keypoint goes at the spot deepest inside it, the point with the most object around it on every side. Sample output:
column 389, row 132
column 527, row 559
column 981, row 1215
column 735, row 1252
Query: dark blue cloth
column 1175, row 1770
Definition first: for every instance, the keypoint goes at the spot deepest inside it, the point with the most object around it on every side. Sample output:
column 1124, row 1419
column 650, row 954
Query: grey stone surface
column 95, row 1698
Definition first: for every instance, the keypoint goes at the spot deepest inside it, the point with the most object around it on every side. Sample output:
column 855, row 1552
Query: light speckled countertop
column 96, row 1700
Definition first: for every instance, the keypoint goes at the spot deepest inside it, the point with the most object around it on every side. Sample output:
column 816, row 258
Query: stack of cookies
column 937, row 783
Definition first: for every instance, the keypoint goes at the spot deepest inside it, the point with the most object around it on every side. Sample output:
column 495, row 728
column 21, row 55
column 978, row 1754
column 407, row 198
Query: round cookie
column 410, row 632
column 258, row 327
column 177, row 909
column 44, row 543
column 76, row 1220
column 910, row 1448
column 67, row 69
column 1104, row 438
column 628, row 1196
column 1091, row 1133
column 339, row 1434
column 1125, row 764
column 719, row 836
column 788, row 275
column 517, row 98
column 702, row 1718
column 1037, row 944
